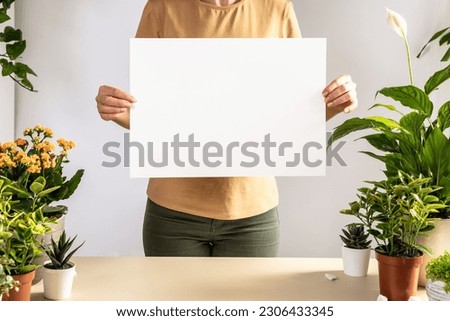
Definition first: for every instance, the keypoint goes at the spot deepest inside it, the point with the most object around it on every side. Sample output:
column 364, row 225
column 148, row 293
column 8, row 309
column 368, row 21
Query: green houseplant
column 19, row 232
column 414, row 142
column 59, row 271
column 438, row 277
column 35, row 157
column 396, row 212
column 354, row 237
column 15, row 45
column 355, row 250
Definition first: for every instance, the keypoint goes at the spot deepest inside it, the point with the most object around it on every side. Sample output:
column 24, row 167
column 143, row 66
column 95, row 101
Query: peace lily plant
column 417, row 141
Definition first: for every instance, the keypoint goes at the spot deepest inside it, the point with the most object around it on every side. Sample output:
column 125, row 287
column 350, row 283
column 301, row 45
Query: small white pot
column 58, row 283
column 356, row 262
column 436, row 292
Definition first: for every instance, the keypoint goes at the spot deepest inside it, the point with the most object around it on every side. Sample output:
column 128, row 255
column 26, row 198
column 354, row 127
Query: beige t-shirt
column 219, row 197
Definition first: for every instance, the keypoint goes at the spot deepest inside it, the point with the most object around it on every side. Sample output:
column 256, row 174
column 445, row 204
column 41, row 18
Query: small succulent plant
column 57, row 252
column 354, row 237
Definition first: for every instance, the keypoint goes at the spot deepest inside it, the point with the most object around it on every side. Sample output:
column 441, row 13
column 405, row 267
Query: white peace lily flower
column 397, row 23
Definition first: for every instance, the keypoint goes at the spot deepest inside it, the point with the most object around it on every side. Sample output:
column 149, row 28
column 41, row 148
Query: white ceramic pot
column 438, row 241
column 356, row 261
column 58, row 283
column 436, row 292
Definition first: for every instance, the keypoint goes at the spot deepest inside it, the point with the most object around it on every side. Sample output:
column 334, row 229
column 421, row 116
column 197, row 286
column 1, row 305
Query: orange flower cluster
column 34, row 155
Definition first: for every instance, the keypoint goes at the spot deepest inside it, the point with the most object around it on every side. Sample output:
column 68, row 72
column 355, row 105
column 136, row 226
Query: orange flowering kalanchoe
column 25, row 159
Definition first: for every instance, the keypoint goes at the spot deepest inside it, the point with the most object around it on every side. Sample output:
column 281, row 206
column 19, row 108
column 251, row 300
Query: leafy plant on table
column 20, row 229
column 396, row 212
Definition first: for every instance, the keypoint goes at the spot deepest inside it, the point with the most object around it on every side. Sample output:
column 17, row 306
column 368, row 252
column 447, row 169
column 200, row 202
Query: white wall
column 75, row 46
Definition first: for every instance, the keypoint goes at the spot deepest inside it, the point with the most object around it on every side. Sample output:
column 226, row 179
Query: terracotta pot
column 24, row 289
column 438, row 241
column 398, row 276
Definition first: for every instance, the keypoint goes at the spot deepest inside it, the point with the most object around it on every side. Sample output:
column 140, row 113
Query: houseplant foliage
column 443, row 37
column 19, row 233
column 19, row 230
column 58, row 252
column 414, row 142
column 32, row 163
column 354, row 237
column 15, row 46
column 438, row 269
column 396, row 213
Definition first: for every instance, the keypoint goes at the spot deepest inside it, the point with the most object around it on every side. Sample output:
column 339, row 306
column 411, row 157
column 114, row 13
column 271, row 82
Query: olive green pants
column 170, row 233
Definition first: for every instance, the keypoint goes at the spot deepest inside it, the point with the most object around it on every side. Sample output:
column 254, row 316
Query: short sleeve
column 291, row 28
column 149, row 26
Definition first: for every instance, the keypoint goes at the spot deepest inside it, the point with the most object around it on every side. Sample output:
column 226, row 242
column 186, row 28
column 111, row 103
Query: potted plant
column 439, row 238
column 59, row 271
column 396, row 213
column 20, row 230
column 27, row 159
column 355, row 250
column 416, row 142
column 15, row 45
column 438, row 278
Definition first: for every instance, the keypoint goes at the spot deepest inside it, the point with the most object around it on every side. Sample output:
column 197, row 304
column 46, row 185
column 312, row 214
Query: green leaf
column 434, row 37
column 3, row 16
column 410, row 96
column 11, row 34
column 352, row 125
column 413, row 124
column 392, row 124
column 382, row 142
column 48, row 191
column 445, row 39
column 436, row 155
column 437, row 79
column 443, row 117
column 389, row 107
column 72, row 184
column 446, row 56
column 36, row 187
column 7, row 68
column 22, row 68
column 16, row 49
column 27, row 83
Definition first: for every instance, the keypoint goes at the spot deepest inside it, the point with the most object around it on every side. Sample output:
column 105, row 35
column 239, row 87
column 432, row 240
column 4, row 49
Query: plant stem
column 408, row 56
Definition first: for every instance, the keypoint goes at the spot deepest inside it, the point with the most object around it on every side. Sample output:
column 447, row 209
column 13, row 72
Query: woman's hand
column 114, row 104
column 340, row 96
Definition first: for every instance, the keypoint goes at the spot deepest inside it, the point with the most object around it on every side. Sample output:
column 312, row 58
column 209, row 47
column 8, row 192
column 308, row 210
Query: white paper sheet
column 227, row 107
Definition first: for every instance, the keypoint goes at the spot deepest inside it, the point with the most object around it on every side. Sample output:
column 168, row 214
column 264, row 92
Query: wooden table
column 217, row 279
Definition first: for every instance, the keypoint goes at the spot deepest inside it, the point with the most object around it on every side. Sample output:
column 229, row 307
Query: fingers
column 113, row 102
column 116, row 93
column 340, row 95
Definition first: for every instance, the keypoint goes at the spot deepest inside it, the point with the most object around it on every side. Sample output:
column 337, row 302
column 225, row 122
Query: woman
column 221, row 216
